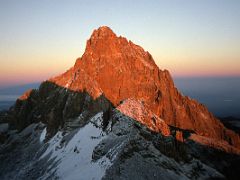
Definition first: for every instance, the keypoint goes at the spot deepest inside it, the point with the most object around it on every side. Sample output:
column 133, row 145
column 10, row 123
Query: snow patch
column 43, row 135
column 67, row 85
column 74, row 158
column 132, row 108
column 138, row 111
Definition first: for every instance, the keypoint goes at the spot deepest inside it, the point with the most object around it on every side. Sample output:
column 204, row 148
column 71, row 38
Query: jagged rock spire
column 119, row 69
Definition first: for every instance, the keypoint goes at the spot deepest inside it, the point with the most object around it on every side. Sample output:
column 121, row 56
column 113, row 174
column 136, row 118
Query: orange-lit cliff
column 118, row 69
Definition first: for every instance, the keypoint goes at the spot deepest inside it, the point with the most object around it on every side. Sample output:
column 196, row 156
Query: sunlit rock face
column 119, row 69
column 137, row 110
column 114, row 115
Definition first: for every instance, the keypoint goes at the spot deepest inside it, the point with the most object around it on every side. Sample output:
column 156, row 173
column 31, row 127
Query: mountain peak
column 119, row 69
column 115, row 107
column 105, row 44
column 102, row 34
column 103, row 31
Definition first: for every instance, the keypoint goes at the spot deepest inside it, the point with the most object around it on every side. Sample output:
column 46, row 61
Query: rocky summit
column 114, row 115
column 119, row 69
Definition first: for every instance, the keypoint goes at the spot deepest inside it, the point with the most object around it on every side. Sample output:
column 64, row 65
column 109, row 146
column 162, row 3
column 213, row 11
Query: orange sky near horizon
column 38, row 66
column 45, row 66
column 190, row 39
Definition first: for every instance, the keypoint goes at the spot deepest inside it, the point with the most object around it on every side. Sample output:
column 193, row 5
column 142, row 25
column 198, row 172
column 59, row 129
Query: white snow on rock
column 74, row 157
column 43, row 135
column 141, row 113
column 134, row 109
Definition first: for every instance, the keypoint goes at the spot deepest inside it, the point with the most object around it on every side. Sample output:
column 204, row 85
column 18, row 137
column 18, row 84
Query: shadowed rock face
column 124, row 149
column 119, row 69
column 56, row 106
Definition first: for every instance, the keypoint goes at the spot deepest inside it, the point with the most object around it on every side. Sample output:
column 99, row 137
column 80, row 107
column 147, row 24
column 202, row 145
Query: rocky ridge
column 119, row 69
column 117, row 114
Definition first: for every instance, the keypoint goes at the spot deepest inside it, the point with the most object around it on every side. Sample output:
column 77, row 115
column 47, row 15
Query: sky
column 190, row 38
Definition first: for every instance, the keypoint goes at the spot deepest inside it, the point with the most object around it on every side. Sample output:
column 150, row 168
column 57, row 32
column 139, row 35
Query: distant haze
column 220, row 95
column 9, row 95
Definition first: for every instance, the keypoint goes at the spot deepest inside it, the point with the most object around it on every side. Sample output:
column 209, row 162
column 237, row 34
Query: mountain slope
column 119, row 69
column 114, row 115
column 123, row 150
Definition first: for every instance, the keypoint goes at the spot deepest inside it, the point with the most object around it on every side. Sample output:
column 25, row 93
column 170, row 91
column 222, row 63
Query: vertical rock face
column 119, row 69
